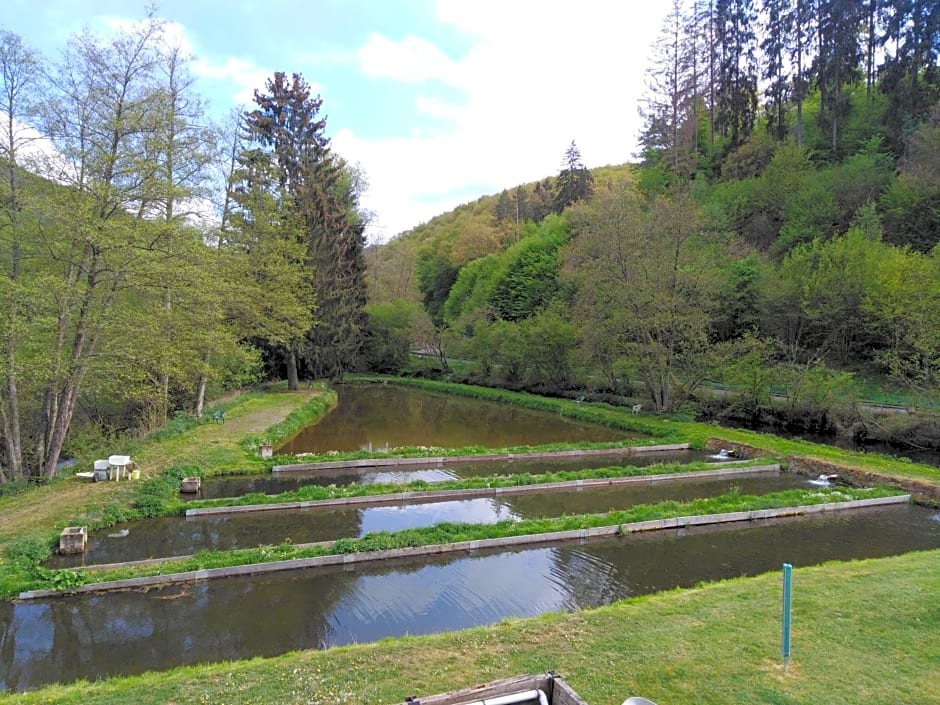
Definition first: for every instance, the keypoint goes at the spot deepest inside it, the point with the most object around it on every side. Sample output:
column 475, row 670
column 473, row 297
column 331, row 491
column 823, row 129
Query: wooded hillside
column 779, row 232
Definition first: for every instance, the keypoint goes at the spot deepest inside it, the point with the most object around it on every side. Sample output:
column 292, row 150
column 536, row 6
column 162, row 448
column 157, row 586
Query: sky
column 438, row 101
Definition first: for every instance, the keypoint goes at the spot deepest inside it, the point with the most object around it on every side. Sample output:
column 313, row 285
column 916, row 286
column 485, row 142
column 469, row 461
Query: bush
column 8, row 489
column 29, row 551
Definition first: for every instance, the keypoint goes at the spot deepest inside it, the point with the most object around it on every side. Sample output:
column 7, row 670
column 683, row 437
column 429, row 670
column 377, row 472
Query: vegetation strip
column 386, row 499
column 444, row 459
column 468, row 537
column 321, row 492
column 470, row 493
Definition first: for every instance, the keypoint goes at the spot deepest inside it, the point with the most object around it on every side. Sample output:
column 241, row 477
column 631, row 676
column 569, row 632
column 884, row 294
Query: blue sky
column 439, row 101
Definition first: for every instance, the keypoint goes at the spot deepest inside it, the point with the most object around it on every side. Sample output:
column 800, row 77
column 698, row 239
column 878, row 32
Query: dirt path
column 52, row 506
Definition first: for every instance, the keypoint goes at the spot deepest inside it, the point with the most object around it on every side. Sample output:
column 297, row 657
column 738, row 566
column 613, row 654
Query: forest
column 777, row 235
column 152, row 259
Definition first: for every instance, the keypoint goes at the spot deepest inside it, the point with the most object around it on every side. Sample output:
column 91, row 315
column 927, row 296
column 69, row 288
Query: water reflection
column 178, row 536
column 383, row 416
column 93, row 636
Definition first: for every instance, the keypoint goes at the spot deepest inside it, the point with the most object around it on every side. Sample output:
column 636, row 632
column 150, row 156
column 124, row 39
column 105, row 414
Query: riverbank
column 862, row 632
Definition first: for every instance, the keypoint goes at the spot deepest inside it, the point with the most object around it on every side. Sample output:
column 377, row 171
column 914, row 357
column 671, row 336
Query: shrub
column 29, row 551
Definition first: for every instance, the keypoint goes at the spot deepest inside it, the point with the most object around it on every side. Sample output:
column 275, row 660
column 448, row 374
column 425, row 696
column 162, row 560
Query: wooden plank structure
column 190, row 484
column 522, row 690
column 73, row 539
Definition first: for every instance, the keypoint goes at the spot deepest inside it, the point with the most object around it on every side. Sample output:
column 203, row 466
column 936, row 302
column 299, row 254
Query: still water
column 178, row 536
column 93, row 636
column 238, row 485
column 384, row 416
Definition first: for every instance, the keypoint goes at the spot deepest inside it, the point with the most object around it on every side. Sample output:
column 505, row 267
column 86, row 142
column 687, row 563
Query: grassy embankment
column 715, row 644
column 674, row 429
column 863, row 632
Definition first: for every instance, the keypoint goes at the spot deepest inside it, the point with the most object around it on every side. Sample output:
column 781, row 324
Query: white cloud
column 412, row 59
column 537, row 75
column 241, row 76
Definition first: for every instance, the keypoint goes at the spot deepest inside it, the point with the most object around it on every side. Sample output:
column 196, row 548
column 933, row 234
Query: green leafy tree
column 436, row 275
column 646, row 272
column 550, row 339
column 904, row 299
column 527, row 278
column 389, row 335
column 20, row 72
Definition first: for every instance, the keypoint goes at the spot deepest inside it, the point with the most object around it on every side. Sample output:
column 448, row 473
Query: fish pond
column 380, row 417
column 97, row 635
column 179, row 536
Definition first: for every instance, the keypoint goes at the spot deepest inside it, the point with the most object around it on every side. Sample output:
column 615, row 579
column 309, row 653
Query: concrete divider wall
column 444, row 459
column 467, row 546
column 443, row 495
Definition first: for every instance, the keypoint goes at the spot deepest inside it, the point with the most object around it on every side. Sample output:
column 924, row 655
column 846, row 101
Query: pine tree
column 335, row 233
column 574, row 182
column 318, row 194
column 798, row 24
column 776, row 39
column 837, row 61
column 909, row 75
column 505, row 209
column 736, row 99
column 670, row 105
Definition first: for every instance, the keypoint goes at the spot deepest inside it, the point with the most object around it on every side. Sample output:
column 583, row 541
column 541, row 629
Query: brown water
column 178, row 536
column 94, row 636
column 238, row 485
column 384, row 416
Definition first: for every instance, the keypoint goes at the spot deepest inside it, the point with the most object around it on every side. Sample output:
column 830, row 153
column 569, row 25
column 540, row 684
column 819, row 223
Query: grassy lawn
column 863, row 631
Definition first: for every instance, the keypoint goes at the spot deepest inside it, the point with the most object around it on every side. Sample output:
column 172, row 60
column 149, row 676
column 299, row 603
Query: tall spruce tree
column 837, row 61
column 909, row 75
column 335, row 232
column 773, row 46
column 798, row 25
column 574, row 182
column 321, row 192
column 736, row 109
column 669, row 108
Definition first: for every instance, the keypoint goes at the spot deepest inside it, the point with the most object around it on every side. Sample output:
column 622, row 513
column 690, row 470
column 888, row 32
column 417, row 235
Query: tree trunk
column 200, row 395
column 293, row 381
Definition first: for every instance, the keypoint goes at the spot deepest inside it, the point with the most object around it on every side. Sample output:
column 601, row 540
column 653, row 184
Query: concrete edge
column 444, row 460
column 463, row 546
column 443, row 495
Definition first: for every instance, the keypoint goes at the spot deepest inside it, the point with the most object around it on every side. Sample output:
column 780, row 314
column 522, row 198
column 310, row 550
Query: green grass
column 863, row 632
column 445, row 533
